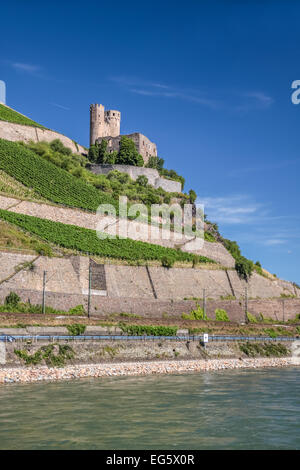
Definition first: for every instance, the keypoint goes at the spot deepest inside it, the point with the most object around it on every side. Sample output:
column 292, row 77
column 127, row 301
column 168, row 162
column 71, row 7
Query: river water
column 238, row 409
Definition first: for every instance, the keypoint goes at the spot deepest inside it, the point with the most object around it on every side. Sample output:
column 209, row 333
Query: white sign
column 205, row 338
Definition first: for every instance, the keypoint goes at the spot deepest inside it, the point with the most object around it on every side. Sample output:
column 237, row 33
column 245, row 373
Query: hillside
column 47, row 180
column 53, row 174
column 10, row 115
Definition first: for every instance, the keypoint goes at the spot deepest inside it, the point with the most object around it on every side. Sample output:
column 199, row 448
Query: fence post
column 204, row 304
column 246, row 304
column 44, row 293
column 90, row 288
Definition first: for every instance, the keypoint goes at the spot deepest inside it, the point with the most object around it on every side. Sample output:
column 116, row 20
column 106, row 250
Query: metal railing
column 52, row 338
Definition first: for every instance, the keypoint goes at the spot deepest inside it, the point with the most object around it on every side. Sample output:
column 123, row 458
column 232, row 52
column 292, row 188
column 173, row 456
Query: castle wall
column 135, row 171
column 144, row 146
column 18, row 132
column 103, row 123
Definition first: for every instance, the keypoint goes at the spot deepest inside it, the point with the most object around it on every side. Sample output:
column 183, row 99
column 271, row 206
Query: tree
column 142, row 180
column 156, row 163
column 93, row 153
column 193, row 196
column 102, row 152
column 128, row 154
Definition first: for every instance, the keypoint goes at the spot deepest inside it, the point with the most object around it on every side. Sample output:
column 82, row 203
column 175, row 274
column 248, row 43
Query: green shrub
column 46, row 353
column 251, row 318
column 196, row 314
column 142, row 180
column 76, row 329
column 141, row 330
column 167, row 262
column 244, row 267
column 12, row 299
column 221, row 315
column 78, row 310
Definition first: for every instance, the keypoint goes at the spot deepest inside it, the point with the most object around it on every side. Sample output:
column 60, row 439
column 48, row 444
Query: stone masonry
column 18, row 132
column 154, row 179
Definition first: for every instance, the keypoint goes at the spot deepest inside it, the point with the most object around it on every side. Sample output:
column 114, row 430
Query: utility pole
column 246, row 304
column 204, row 304
column 90, row 288
column 44, row 293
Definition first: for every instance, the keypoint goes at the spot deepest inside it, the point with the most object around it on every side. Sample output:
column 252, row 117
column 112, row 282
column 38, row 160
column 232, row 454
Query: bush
column 12, row 300
column 167, row 262
column 244, row 267
column 142, row 180
column 57, row 146
column 156, row 163
column 221, row 315
column 141, row 330
column 78, row 310
column 76, row 329
column 197, row 314
column 251, row 318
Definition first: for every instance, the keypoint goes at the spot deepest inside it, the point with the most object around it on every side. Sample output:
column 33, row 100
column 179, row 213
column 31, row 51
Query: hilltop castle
column 106, row 125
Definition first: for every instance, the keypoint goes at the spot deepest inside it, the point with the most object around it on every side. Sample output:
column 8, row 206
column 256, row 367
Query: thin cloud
column 154, row 89
column 274, row 241
column 28, row 68
column 236, row 209
column 247, row 101
column 60, row 106
column 260, row 97
column 262, row 168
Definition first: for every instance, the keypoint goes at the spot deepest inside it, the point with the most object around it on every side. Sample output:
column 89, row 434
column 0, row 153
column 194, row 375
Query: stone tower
column 103, row 123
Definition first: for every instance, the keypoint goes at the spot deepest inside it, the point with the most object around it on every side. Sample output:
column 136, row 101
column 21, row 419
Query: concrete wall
column 70, row 276
column 135, row 171
column 17, row 132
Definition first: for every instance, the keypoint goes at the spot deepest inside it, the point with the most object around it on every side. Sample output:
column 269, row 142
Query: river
column 232, row 409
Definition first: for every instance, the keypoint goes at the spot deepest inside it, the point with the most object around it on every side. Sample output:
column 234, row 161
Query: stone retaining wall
column 154, row 179
column 69, row 275
column 278, row 309
column 16, row 132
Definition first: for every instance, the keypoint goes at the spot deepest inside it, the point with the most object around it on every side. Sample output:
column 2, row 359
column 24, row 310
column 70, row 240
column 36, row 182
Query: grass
column 9, row 115
column 13, row 188
column 13, row 238
column 263, row 349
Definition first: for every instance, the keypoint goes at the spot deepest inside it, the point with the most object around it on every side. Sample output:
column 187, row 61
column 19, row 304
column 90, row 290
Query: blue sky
column 208, row 81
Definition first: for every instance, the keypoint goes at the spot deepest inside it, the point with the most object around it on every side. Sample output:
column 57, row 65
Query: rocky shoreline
column 69, row 372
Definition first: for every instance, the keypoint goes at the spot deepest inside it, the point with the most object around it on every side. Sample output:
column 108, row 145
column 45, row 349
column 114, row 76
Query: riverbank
column 69, row 372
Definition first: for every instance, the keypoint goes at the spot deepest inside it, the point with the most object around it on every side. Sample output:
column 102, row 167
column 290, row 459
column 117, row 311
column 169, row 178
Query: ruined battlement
column 105, row 124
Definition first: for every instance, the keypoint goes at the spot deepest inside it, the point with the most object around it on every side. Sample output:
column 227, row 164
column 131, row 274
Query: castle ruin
column 105, row 125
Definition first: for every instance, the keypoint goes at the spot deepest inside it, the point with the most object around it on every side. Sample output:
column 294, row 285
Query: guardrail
column 12, row 338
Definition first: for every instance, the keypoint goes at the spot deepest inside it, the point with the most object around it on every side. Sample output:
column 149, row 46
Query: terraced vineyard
column 86, row 240
column 48, row 180
column 9, row 115
column 11, row 187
